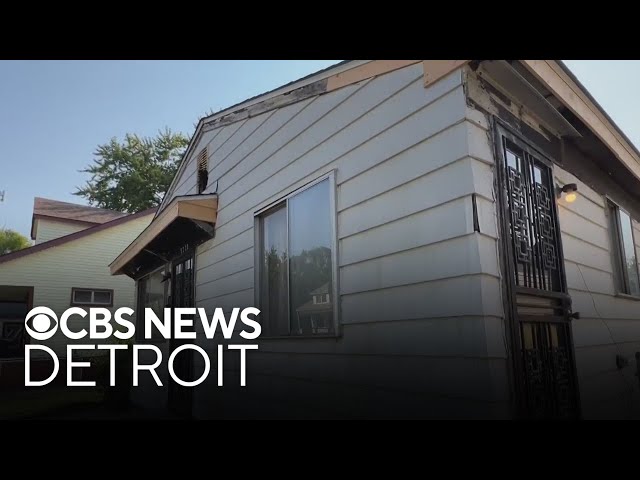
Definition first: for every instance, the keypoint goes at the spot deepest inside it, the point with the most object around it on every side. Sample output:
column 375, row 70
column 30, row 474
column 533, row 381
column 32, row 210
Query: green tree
column 133, row 175
column 11, row 241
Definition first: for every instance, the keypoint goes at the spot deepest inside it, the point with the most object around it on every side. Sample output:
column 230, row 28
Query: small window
column 624, row 251
column 90, row 296
column 203, row 170
column 297, row 265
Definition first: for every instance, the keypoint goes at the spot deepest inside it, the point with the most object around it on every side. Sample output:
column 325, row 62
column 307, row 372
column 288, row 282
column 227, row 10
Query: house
column 67, row 266
column 424, row 239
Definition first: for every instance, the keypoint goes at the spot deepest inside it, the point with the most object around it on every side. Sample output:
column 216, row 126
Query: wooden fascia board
column 368, row 70
column 199, row 209
column 434, row 70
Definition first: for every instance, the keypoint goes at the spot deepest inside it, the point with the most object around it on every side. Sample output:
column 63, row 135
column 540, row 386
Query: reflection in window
column 297, row 266
column 629, row 282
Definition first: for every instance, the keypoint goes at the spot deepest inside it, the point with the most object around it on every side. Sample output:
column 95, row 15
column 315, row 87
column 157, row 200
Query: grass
column 26, row 404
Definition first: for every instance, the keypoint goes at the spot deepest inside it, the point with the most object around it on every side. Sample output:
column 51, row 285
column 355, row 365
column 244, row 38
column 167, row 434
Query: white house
column 67, row 266
column 424, row 238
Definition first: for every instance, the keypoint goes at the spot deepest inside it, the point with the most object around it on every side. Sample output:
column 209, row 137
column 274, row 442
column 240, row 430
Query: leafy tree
column 11, row 241
column 133, row 175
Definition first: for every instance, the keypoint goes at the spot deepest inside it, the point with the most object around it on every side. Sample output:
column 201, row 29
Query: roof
column 351, row 71
column 566, row 70
column 322, row 289
column 256, row 98
column 71, row 212
column 75, row 236
column 186, row 217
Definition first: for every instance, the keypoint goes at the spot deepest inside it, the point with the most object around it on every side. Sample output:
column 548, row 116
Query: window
column 91, row 296
column 152, row 293
column 297, row 267
column 624, row 250
column 203, row 170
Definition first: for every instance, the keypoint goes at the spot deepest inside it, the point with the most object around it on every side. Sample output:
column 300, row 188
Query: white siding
column 405, row 172
column 51, row 229
column 79, row 263
column 609, row 325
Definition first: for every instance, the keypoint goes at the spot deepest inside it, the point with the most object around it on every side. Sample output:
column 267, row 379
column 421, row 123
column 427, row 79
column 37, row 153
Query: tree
column 133, row 175
column 11, row 241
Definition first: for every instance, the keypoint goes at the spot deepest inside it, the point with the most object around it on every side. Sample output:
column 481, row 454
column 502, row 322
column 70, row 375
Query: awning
column 188, row 220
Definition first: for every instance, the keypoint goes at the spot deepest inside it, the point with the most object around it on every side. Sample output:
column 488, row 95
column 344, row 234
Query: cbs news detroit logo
column 41, row 323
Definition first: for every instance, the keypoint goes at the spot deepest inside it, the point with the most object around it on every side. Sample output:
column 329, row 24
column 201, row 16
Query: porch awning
column 188, row 220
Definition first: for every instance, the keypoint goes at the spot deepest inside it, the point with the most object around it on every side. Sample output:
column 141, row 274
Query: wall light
column 570, row 189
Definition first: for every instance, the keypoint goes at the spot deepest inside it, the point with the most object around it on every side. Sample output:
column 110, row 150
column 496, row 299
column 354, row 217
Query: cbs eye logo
column 41, row 323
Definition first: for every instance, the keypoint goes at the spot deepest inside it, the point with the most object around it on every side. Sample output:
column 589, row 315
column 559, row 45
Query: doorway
column 182, row 296
column 539, row 307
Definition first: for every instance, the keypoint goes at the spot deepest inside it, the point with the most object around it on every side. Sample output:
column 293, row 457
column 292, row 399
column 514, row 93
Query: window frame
column 274, row 204
column 73, row 303
column 140, row 338
column 621, row 275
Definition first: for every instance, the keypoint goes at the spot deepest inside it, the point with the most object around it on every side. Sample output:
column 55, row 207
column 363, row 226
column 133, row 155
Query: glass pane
column 273, row 291
column 310, row 262
column 630, row 263
column 82, row 296
column 512, row 160
column 153, row 297
column 102, row 297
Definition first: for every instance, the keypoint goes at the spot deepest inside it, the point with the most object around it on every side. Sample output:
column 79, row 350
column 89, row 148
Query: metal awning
column 187, row 220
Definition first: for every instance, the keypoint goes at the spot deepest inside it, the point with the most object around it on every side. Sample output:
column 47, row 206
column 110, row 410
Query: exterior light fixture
column 570, row 190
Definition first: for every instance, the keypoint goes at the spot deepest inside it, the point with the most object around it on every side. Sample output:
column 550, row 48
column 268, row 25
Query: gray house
column 424, row 239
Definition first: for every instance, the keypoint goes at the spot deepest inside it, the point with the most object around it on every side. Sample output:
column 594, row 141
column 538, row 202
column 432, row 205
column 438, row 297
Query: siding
column 405, row 175
column 609, row 325
column 50, row 229
column 80, row 263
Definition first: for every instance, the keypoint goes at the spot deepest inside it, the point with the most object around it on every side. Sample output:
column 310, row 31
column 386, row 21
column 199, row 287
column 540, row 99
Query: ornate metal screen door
column 182, row 276
column 540, row 308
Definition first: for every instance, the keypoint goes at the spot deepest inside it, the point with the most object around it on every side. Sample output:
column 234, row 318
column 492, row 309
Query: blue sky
column 53, row 114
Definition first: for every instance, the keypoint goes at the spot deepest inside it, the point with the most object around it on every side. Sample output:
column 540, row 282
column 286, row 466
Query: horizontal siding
column 406, row 170
column 609, row 325
column 50, row 229
column 79, row 263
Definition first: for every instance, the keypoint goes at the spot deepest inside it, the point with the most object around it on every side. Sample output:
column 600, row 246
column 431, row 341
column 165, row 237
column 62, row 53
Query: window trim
column 622, row 286
column 257, row 236
column 73, row 303
column 140, row 331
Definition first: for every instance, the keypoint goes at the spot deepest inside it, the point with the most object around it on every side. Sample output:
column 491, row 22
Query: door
column 533, row 263
column 182, row 296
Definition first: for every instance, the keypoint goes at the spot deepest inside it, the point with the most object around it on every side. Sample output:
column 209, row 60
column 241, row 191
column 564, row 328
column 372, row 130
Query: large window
column 624, row 249
column 152, row 293
column 296, row 271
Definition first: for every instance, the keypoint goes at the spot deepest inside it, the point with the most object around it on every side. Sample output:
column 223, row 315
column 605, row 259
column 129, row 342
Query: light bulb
column 571, row 197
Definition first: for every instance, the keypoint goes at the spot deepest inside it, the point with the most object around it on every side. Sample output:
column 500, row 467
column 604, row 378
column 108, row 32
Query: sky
column 53, row 114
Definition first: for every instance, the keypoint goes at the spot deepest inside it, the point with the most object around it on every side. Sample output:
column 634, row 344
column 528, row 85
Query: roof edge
column 572, row 76
column 73, row 236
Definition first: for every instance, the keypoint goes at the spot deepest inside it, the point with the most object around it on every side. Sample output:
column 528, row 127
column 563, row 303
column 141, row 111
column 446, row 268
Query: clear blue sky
column 53, row 114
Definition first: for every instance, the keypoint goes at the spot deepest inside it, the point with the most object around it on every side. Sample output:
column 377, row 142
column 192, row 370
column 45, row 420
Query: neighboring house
column 67, row 266
column 473, row 226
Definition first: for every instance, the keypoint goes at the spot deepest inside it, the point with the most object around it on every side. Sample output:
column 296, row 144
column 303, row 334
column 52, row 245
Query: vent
column 203, row 170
